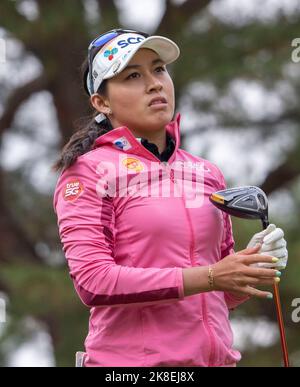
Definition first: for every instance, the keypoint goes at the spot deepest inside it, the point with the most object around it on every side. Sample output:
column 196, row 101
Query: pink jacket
column 128, row 228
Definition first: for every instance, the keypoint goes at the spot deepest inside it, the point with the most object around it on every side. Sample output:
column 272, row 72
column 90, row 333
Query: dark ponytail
column 82, row 141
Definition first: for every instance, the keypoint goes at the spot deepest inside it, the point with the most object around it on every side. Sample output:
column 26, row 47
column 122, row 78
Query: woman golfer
column 148, row 253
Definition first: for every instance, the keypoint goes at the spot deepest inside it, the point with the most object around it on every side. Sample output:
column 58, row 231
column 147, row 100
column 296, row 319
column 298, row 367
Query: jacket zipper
column 192, row 244
column 192, row 235
column 202, row 296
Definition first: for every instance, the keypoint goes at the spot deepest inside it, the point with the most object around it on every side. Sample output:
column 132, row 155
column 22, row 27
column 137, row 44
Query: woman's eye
column 132, row 76
column 137, row 75
column 161, row 68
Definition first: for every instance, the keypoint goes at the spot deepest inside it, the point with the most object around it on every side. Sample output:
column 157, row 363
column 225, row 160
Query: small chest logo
column 133, row 164
column 122, row 143
column 72, row 190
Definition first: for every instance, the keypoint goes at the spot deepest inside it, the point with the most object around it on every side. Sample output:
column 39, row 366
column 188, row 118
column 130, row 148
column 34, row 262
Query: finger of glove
column 274, row 245
column 280, row 265
column 259, row 237
column 254, row 258
column 270, row 229
column 255, row 240
column 265, row 265
column 277, row 253
column 274, row 236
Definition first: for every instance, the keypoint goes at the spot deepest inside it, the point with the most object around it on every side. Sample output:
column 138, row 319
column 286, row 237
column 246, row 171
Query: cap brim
column 165, row 48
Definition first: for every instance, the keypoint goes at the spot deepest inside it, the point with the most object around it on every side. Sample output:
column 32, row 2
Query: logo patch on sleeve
column 72, row 190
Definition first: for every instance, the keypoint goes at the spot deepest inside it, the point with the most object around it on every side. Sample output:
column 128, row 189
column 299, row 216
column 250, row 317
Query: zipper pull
column 172, row 175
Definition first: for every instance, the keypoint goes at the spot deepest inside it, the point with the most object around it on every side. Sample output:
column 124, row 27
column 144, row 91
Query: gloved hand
column 273, row 243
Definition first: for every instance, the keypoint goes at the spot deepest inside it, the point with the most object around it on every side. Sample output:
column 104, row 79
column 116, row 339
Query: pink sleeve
column 227, row 248
column 86, row 228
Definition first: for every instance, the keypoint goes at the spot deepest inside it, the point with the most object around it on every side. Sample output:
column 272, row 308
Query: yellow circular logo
column 133, row 164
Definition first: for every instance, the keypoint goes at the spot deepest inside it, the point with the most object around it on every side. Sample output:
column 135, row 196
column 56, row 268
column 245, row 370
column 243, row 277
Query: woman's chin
column 160, row 120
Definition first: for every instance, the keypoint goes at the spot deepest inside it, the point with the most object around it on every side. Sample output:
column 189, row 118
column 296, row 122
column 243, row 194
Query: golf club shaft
column 281, row 325
column 279, row 317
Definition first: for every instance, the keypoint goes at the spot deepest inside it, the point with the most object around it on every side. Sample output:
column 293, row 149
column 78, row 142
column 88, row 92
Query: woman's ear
column 100, row 104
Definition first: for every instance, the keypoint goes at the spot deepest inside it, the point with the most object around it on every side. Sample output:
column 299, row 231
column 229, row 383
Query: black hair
column 82, row 141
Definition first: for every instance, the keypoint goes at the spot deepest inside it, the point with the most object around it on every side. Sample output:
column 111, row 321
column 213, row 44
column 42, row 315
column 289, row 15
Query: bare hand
column 234, row 273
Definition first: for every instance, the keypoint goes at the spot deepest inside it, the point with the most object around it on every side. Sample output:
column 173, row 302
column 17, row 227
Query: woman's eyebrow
column 154, row 62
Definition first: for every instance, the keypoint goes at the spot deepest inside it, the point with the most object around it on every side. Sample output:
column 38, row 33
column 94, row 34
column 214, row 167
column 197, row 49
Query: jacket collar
column 121, row 138
column 166, row 153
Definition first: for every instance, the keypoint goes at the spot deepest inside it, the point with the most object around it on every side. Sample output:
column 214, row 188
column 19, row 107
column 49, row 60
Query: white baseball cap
column 114, row 56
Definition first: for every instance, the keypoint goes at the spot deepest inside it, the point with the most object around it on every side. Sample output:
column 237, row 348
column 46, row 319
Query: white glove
column 273, row 243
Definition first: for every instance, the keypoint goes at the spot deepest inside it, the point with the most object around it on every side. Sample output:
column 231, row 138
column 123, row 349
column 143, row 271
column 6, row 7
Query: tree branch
column 14, row 241
column 11, row 19
column 109, row 15
column 179, row 15
column 18, row 97
column 190, row 7
column 284, row 174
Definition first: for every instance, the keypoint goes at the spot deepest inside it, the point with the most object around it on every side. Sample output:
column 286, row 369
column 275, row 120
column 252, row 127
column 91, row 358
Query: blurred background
column 238, row 90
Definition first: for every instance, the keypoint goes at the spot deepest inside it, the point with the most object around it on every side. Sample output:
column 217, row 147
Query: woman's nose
column 154, row 85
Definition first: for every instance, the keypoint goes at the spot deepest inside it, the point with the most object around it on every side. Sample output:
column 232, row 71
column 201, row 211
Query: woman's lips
column 158, row 101
column 158, row 105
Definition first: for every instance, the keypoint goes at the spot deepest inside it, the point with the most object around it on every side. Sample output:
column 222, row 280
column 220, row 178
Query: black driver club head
column 247, row 202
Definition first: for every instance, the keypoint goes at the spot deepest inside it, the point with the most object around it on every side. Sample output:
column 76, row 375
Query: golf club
column 251, row 202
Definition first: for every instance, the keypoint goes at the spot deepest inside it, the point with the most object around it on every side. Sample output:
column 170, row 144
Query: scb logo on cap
column 132, row 40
